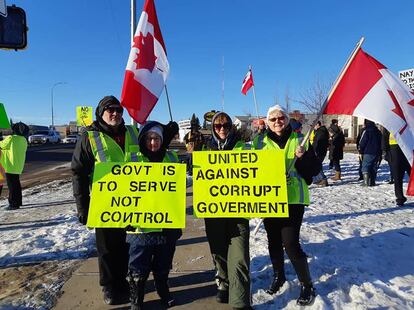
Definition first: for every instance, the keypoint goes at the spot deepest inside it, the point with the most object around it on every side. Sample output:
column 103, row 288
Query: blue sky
column 86, row 44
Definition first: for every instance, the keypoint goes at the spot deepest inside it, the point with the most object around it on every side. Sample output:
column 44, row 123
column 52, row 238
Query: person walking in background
column 336, row 148
column 399, row 166
column 262, row 127
column 385, row 147
column 152, row 249
column 228, row 238
column 358, row 139
column 320, row 144
column 106, row 140
column 370, row 148
column 283, row 233
column 12, row 158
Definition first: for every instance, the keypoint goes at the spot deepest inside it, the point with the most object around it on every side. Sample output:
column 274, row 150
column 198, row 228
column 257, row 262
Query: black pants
column 112, row 257
column 284, row 232
column 15, row 189
column 399, row 166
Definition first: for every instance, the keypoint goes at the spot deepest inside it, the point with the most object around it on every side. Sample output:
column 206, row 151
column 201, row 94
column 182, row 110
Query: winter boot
column 337, row 176
column 366, row 180
column 137, row 289
column 307, row 292
column 278, row 280
column 163, row 290
column 307, row 295
column 372, row 177
column 323, row 182
column 222, row 292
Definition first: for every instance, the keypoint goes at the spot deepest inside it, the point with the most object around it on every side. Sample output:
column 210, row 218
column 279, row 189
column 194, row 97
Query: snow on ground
column 360, row 245
column 360, row 248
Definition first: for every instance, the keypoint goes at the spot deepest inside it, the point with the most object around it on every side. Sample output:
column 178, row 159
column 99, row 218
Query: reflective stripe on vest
column 99, row 146
column 134, row 138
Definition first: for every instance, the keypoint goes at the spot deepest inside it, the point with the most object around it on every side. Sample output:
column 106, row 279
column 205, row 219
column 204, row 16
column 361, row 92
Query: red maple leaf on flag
column 146, row 56
column 397, row 110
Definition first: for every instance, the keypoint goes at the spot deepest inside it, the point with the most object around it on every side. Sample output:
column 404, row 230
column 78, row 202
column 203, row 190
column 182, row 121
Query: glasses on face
column 224, row 126
column 111, row 110
column 280, row 119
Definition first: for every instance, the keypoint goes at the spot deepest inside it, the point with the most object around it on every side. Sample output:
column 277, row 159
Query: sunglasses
column 118, row 110
column 274, row 119
column 219, row 126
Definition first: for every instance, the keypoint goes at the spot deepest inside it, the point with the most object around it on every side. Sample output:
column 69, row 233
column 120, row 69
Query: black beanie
column 105, row 102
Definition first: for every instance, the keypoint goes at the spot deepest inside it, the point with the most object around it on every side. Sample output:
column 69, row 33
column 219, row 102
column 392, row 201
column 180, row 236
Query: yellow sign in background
column 84, row 116
column 239, row 184
column 145, row 195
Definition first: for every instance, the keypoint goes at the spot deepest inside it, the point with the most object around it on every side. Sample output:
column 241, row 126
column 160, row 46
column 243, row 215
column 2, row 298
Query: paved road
column 45, row 163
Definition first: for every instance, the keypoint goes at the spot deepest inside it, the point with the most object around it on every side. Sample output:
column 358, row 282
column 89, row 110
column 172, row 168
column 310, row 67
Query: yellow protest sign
column 84, row 116
column 145, row 195
column 239, row 184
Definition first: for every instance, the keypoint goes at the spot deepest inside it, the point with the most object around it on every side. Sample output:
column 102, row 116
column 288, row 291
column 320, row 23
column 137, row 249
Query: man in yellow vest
column 108, row 139
column 13, row 156
column 399, row 165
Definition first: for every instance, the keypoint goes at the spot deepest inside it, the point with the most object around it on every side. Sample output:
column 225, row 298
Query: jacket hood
column 168, row 133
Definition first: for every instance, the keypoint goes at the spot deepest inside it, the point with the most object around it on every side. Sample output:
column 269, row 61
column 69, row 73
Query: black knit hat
column 104, row 103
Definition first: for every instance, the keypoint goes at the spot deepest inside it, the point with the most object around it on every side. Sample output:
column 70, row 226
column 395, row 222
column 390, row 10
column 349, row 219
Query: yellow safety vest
column 105, row 149
column 13, row 154
column 298, row 192
column 392, row 140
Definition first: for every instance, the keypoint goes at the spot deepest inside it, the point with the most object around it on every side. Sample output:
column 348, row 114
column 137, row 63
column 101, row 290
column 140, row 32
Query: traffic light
column 13, row 29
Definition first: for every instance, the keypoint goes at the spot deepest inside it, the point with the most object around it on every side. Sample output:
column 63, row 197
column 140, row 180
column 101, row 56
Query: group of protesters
column 126, row 256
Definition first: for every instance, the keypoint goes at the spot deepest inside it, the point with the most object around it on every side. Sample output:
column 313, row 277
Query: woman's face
column 222, row 128
column 153, row 142
column 277, row 122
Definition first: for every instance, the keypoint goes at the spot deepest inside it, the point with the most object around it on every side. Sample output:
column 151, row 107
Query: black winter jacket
column 321, row 141
column 370, row 142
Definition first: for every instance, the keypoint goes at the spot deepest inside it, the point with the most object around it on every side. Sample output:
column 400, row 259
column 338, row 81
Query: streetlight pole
column 53, row 88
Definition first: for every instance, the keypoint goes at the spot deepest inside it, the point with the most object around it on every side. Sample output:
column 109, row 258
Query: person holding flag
column 283, row 233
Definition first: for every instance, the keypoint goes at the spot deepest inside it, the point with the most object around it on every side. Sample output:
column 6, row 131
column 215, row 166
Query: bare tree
column 313, row 97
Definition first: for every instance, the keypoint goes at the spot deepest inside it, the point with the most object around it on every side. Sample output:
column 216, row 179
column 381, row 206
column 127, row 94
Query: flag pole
column 168, row 102
column 133, row 28
column 222, row 85
column 332, row 90
column 254, row 95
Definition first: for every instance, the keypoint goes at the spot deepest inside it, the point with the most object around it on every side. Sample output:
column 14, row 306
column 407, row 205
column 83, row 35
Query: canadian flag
column 369, row 90
column 147, row 68
column 247, row 82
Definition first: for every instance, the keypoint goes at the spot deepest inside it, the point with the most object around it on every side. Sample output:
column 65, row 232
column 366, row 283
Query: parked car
column 44, row 136
column 71, row 139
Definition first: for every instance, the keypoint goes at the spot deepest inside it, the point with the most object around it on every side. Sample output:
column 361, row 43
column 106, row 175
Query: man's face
column 113, row 115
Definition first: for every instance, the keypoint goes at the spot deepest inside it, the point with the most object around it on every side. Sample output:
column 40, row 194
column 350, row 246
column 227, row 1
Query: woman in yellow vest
column 228, row 238
column 152, row 249
column 284, row 232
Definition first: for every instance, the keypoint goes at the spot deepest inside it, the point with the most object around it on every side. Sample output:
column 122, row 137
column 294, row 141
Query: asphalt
column 191, row 279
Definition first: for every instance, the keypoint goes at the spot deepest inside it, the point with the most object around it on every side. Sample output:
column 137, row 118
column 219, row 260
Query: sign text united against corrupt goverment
column 145, row 195
column 239, row 184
